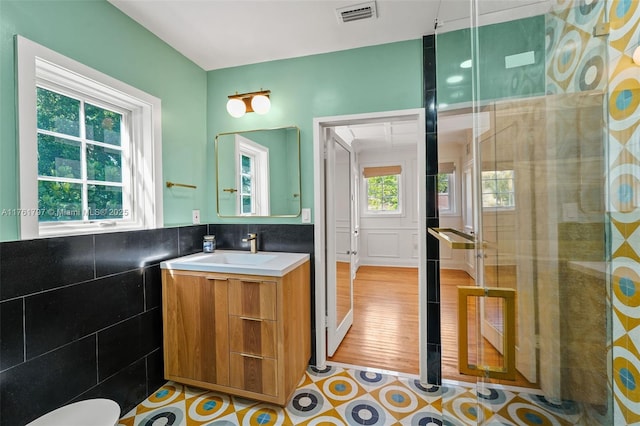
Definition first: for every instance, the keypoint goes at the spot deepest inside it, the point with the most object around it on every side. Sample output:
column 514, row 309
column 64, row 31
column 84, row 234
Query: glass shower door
column 537, row 140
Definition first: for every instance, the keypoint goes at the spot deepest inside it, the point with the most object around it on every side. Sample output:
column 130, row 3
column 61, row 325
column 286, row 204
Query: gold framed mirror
column 258, row 173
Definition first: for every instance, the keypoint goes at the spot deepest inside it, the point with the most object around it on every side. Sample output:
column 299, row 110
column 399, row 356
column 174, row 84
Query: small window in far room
column 383, row 189
column 498, row 189
column 446, row 186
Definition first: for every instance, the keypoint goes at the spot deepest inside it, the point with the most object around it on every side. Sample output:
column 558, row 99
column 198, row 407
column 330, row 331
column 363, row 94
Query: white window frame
column 364, row 192
column 260, row 182
column 38, row 65
column 500, row 208
column 453, row 205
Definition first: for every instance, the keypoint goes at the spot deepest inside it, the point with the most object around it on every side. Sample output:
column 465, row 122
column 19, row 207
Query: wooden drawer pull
column 251, row 356
column 251, row 319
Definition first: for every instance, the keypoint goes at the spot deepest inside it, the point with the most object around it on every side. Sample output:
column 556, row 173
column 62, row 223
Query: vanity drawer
column 252, row 336
column 252, row 299
column 253, row 373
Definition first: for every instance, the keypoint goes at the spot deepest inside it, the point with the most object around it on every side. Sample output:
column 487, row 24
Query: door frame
column 320, row 128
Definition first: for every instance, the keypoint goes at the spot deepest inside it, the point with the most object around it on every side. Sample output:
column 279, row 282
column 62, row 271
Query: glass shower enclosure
column 523, row 114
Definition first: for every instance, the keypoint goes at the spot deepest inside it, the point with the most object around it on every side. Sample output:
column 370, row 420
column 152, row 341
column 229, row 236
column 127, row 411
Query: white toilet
column 91, row 412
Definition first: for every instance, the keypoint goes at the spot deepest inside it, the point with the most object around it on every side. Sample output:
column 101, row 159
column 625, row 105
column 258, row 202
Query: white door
column 340, row 238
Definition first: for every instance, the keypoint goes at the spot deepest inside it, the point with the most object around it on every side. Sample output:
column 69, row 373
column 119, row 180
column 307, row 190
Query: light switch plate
column 195, row 216
column 306, row 215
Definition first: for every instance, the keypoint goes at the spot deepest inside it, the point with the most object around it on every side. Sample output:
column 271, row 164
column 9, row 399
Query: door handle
column 508, row 370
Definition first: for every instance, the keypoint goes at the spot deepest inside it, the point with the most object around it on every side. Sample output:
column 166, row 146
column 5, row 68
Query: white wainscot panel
column 382, row 244
column 414, row 246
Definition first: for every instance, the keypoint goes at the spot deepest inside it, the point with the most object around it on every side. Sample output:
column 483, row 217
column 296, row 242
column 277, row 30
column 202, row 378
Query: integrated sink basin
column 276, row 264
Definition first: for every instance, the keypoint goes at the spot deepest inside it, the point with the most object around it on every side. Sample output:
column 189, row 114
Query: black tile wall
column 51, row 318
column 124, row 251
column 87, row 312
column 128, row 387
column 140, row 335
column 32, row 266
column 190, row 239
column 291, row 238
column 12, row 333
column 434, row 368
column 155, row 371
column 433, row 281
column 433, row 247
column 152, row 287
column 47, row 382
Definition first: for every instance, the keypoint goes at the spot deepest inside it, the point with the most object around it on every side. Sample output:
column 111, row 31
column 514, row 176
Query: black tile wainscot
column 81, row 317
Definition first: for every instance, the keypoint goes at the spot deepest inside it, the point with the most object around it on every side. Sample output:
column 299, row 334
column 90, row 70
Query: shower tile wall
column 582, row 67
column 624, row 205
column 70, row 306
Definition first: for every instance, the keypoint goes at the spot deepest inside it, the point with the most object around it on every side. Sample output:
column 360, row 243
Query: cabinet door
column 196, row 328
column 252, row 299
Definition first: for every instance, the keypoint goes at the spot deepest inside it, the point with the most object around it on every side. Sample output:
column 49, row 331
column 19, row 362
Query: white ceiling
column 380, row 135
column 225, row 33
column 218, row 34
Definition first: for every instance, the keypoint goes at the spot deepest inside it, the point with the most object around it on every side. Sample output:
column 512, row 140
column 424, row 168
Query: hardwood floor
column 384, row 333
column 385, row 329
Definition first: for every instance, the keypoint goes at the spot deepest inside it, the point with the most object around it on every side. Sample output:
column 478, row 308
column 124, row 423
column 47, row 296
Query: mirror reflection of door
column 343, row 233
column 339, row 251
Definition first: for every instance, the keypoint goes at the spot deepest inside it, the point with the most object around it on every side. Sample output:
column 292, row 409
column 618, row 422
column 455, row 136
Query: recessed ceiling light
column 454, row 79
column 466, row 64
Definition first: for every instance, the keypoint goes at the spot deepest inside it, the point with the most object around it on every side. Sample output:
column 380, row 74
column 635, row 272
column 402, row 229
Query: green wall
column 494, row 43
column 99, row 35
column 370, row 79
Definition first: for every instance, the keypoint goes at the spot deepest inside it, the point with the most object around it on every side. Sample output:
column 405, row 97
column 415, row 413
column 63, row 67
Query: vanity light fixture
column 241, row 103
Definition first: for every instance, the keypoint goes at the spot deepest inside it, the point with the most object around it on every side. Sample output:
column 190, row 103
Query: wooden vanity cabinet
column 245, row 335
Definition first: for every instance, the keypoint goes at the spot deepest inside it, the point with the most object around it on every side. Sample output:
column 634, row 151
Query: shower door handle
column 508, row 370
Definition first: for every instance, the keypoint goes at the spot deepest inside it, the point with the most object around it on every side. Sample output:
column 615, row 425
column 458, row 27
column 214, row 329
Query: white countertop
column 275, row 264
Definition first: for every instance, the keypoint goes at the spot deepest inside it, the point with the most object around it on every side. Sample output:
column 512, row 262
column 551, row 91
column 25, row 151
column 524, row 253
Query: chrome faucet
column 253, row 239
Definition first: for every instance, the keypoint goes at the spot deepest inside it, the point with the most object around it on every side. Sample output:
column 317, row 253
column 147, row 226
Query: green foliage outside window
column 443, row 183
column 62, row 179
column 444, row 203
column 382, row 193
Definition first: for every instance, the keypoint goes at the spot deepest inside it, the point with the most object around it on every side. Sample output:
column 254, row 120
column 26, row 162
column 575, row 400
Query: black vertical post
column 433, row 248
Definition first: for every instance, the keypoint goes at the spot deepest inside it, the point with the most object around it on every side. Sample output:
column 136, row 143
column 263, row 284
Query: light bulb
column 260, row 104
column 636, row 56
column 236, row 107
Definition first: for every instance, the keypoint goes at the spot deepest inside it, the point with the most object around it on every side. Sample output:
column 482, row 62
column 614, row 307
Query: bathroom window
column 382, row 189
column 89, row 149
column 498, row 189
column 446, row 188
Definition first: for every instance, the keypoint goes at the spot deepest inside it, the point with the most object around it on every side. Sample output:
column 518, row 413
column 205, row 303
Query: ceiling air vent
column 357, row 12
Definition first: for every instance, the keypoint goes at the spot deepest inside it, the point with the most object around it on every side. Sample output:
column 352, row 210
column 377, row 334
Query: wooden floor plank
column 385, row 329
